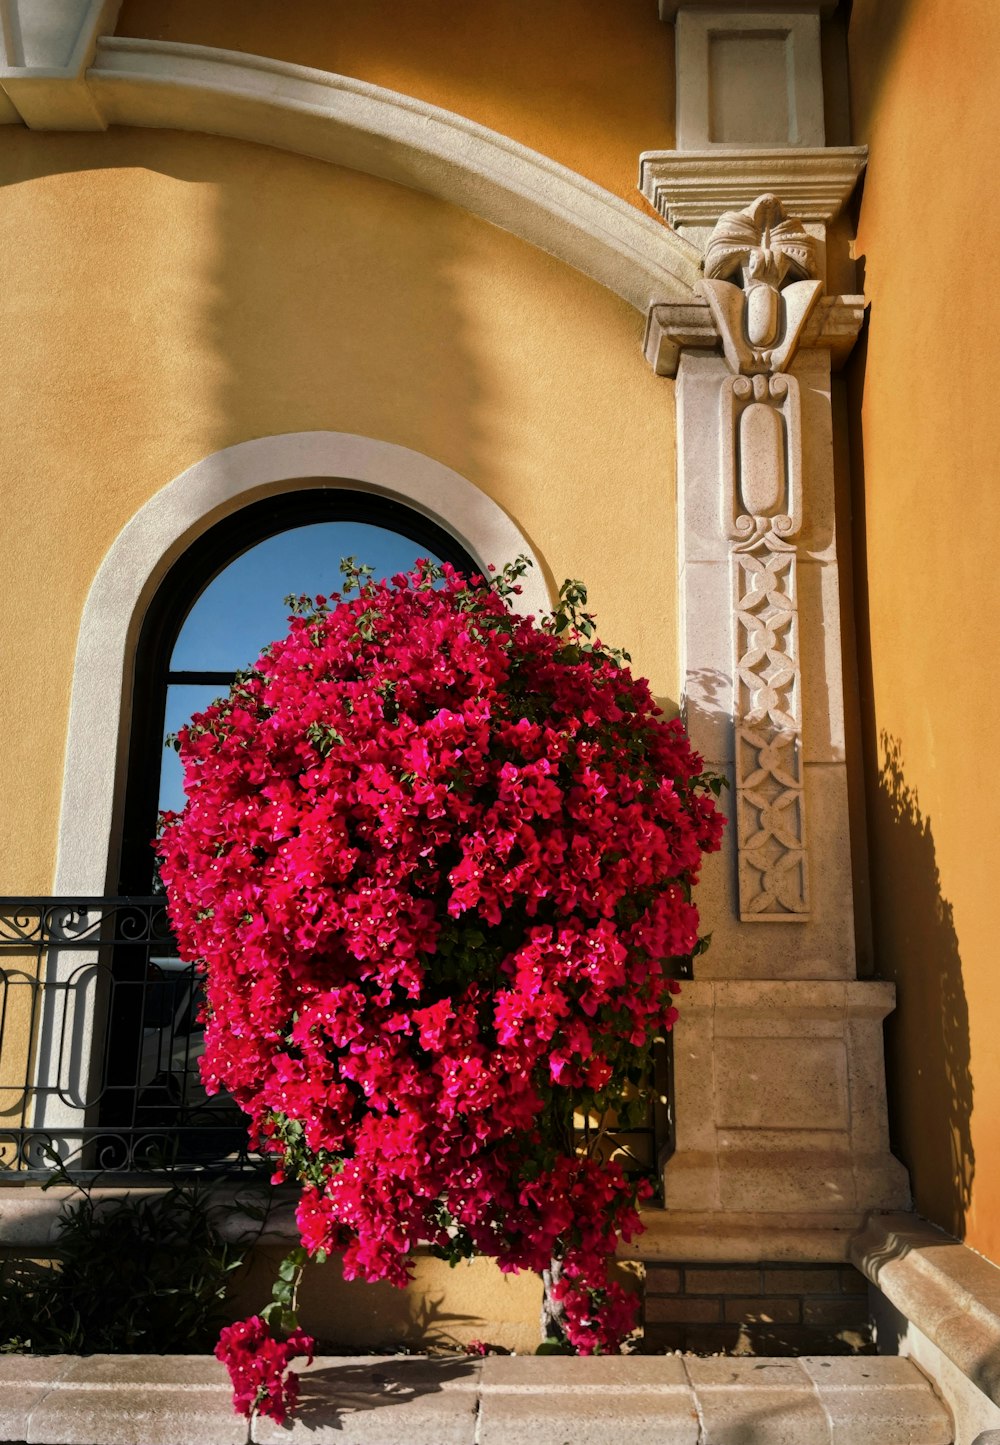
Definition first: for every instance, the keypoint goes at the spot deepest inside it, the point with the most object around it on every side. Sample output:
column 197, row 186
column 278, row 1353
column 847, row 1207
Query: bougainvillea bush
column 437, row 859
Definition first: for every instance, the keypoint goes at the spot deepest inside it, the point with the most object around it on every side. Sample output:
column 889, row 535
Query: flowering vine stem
column 437, row 860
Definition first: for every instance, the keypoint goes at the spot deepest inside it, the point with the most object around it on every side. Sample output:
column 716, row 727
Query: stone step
column 501, row 1400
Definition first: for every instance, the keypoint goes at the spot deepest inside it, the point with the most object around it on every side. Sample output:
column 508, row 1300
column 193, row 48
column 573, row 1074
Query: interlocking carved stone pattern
column 770, row 800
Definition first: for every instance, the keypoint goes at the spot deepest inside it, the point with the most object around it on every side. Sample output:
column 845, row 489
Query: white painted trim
column 100, row 706
column 368, row 128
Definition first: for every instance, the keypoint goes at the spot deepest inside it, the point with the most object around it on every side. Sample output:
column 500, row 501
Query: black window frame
column 201, row 562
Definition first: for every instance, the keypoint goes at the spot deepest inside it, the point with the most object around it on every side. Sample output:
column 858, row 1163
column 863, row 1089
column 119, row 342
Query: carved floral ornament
column 760, row 320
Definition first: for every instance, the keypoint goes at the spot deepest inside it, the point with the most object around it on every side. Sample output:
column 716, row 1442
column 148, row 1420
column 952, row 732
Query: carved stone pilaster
column 780, row 1100
column 760, row 324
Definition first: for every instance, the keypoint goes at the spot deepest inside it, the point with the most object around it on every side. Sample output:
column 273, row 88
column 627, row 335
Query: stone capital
column 671, row 328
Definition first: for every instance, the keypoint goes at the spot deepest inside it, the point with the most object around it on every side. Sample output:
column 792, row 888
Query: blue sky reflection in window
column 243, row 608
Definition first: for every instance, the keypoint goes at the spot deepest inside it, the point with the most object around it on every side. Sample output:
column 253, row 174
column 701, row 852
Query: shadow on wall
column 927, row 1038
column 875, row 31
column 915, row 943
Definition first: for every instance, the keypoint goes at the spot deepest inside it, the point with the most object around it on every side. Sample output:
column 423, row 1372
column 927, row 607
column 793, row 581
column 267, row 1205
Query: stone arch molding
column 117, row 80
column 219, row 485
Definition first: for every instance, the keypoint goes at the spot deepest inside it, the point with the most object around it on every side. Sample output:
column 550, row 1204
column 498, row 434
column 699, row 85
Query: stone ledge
column 704, row 1235
column 29, row 1214
column 161, row 1400
column 950, row 1293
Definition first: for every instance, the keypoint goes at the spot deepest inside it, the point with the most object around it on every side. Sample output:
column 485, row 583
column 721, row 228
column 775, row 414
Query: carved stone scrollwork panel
column 761, row 457
column 762, row 467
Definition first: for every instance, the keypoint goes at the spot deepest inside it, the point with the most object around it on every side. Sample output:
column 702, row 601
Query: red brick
column 657, row 1338
column 660, row 1279
column 721, row 1281
column 851, row 1313
column 764, row 1311
column 801, row 1281
column 852, row 1281
column 679, row 1310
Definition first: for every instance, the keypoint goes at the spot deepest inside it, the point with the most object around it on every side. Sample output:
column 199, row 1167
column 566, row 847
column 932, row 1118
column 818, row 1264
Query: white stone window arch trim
column 162, row 529
column 164, row 84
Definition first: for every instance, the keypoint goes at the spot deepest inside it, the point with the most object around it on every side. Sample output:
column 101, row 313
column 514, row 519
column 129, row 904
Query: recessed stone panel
column 781, row 1083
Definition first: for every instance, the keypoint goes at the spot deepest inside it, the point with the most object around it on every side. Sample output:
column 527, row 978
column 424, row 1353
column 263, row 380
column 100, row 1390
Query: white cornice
column 694, row 188
column 367, row 128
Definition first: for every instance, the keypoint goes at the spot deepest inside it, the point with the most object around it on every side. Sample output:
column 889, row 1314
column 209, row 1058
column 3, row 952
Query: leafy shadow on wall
column 927, row 1038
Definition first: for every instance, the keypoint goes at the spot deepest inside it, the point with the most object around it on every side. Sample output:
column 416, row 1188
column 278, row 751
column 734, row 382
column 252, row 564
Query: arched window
column 219, row 605
column 223, row 601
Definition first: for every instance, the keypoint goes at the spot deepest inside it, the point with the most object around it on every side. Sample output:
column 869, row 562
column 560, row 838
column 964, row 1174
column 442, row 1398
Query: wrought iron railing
column 99, row 1046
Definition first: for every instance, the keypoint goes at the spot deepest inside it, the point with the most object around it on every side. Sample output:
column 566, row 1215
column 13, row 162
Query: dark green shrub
column 140, row 1274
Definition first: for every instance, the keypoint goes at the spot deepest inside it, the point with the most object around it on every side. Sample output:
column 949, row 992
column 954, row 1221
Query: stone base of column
column 781, row 1115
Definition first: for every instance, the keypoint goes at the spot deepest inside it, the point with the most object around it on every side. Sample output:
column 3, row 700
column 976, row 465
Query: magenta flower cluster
column 258, row 1367
column 437, row 859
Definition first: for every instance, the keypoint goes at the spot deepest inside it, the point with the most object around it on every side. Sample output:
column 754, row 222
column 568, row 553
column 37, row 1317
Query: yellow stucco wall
column 167, row 295
column 925, row 77
column 588, row 82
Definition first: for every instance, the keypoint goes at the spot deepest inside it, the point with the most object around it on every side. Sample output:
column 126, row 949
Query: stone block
column 567, row 1372
column 852, row 1281
column 691, row 1181
column 748, row 79
column 888, row 1414
column 781, row 1375
column 694, row 1074
column 819, row 945
column 370, row 1401
column 139, row 1400
column 792, row 1084
column 25, row 1380
column 821, row 663
column 780, row 1009
column 769, row 1417
column 750, row 1400
column 551, row 1400
column 706, row 591
column 755, row 1181
column 510, row 1417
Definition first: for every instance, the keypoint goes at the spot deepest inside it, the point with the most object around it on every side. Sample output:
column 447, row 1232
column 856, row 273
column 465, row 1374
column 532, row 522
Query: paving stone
column 757, row 1402
column 741, row 1416
column 781, row 1375
column 394, row 1401
column 24, row 1382
column 597, row 1417
column 552, row 1400
column 872, row 1372
column 138, row 1400
column 881, row 1399
column 568, row 1372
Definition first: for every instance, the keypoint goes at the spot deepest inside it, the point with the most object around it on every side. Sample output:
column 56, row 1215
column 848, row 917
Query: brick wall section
column 757, row 1309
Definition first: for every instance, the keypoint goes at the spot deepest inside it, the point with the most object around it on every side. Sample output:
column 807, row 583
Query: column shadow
column 927, row 1038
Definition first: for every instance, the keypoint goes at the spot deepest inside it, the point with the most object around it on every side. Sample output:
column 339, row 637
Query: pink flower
column 257, row 1365
column 438, row 860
